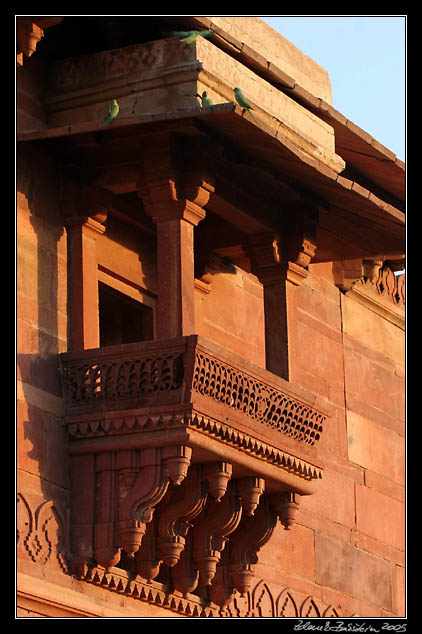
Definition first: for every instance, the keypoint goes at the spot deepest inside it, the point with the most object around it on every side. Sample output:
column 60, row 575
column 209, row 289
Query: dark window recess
column 122, row 319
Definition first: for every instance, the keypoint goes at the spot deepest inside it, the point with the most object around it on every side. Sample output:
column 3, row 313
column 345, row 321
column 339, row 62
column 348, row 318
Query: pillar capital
column 174, row 210
column 86, row 223
column 174, row 182
column 282, row 256
column 83, row 202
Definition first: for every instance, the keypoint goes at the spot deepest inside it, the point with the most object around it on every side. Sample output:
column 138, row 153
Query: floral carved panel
column 41, row 532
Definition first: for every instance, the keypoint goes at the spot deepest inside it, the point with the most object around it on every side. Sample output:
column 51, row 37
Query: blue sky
column 365, row 57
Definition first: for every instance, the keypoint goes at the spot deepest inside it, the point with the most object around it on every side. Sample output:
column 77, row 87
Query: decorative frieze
column 377, row 275
column 374, row 284
column 262, row 600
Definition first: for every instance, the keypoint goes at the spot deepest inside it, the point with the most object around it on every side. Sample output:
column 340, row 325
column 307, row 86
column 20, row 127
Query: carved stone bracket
column 286, row 504
column 29, row 31
column 253, row 533
column 169, row 191
column 196, row 520
column 212, row 532
column 143, row 485
column 175, row 519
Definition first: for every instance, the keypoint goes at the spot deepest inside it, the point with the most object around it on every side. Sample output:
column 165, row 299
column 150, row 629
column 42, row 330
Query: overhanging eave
column 352, row 214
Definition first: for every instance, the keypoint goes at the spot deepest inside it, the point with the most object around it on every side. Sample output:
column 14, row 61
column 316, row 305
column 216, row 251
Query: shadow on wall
column 41, row 446
column 38, row 274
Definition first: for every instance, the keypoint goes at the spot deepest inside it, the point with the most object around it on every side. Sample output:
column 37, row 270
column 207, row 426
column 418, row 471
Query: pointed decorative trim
column 260, row 601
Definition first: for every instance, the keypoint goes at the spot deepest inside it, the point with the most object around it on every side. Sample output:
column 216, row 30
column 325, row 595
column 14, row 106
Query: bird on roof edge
column 205, row 100
column 191, row 36
column 242, row 101
column 113, row 111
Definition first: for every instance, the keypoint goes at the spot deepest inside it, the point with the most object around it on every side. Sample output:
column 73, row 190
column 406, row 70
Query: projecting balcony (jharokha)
column 184, row 456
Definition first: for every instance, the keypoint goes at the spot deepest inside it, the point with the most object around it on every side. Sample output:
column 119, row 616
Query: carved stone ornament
column 41, row 532
column 375, row 284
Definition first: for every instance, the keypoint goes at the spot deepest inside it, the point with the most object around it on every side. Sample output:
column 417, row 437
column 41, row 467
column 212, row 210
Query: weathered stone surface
column 376, row 448
column 352, row 571
column 278, row 50
column 379, row 335
column 380, row 516
column 334, row 499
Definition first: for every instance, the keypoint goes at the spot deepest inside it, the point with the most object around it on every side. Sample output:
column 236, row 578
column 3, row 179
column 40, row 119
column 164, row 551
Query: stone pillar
column 174, row 190
column 175, row 261
column 280, row 262
column 85, row 210
column 84, row 319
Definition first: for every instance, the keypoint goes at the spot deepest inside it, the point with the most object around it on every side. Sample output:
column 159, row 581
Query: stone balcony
column 176, row 446
column 191, row 384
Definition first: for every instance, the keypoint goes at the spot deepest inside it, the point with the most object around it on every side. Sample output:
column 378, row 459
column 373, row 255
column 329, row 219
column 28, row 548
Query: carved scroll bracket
column 175, row 519
column 212, row 532
column 286, row 505
column 252, row 534
column 144, row 479
column 236, row 570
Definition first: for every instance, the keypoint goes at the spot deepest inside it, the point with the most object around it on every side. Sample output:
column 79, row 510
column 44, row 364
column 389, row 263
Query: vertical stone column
column 85, row 210
column 280, row 261
column 84, row 320
column 175, row 252
column 174, row 191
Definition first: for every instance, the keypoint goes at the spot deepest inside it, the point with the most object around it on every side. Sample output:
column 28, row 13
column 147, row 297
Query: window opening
column 123, row 319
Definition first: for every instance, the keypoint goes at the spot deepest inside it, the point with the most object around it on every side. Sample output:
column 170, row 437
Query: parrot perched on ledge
column 205, row 100
column 191, row 36
column 113, row 111
column 242, row 101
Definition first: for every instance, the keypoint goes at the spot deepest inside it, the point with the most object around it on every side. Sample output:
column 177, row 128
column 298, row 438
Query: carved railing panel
column 255, row 399
column 122, row 374
column 154, row 373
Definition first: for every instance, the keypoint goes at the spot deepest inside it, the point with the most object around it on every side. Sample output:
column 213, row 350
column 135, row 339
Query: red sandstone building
column 210, row 330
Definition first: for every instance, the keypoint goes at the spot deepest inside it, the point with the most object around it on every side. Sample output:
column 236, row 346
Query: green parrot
column 242, row 101
column 113, row 111
column 191, row 36
column 205, row 100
